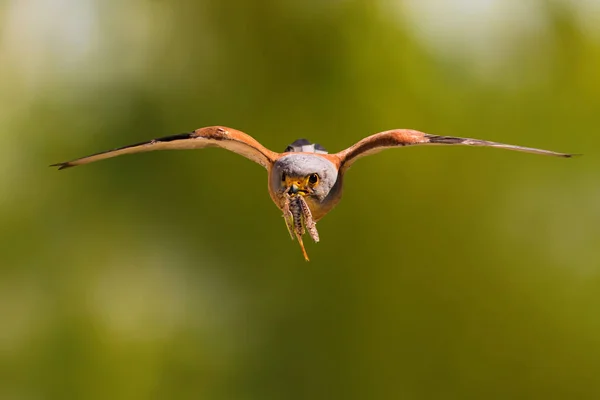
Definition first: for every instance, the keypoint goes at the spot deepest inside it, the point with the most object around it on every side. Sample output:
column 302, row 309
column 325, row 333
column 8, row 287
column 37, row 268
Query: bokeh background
column 445, row 273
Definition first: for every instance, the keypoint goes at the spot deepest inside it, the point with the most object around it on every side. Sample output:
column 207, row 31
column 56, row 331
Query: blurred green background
column 445, row 273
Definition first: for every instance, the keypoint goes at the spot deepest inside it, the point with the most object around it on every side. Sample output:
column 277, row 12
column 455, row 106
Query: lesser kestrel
column 305, row 182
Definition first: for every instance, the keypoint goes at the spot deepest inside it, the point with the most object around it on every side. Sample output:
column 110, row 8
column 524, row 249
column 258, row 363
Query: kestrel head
column 304, row 174
column 306, row 170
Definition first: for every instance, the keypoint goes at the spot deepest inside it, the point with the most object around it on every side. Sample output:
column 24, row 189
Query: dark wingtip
column 62, row 165
column 567, row 155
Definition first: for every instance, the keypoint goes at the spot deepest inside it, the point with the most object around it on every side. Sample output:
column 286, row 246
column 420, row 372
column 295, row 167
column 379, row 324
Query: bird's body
column 305, row 182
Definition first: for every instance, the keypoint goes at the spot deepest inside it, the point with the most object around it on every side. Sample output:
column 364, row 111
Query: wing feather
column 408, row 137
column 212, row 136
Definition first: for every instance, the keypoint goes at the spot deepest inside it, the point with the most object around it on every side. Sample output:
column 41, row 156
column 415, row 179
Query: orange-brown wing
column 407, row 137
column 212, row 136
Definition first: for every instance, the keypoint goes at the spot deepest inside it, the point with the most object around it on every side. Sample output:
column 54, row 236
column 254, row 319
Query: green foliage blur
column 445, row 272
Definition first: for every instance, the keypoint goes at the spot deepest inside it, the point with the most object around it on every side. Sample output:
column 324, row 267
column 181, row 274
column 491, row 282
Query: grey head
column 312, row 175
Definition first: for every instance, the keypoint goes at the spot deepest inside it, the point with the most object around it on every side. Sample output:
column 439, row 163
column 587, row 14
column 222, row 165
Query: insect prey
column 298, row 220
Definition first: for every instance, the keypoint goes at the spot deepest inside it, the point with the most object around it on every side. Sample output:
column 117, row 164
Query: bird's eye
column 313, row 179
column 283, row 176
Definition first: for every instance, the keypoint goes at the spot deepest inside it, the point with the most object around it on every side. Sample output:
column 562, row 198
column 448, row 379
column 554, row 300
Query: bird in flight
column 305, row 181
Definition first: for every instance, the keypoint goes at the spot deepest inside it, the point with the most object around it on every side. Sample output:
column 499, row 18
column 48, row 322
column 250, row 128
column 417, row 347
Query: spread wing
column 212, row 136
column 408, row 137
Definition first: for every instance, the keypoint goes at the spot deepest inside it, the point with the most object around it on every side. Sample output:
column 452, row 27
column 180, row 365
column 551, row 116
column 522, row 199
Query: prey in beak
column 296, row 212
column 297, row 215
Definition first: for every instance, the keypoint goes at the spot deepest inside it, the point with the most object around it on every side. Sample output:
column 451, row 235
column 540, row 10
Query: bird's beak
column 296, row 186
